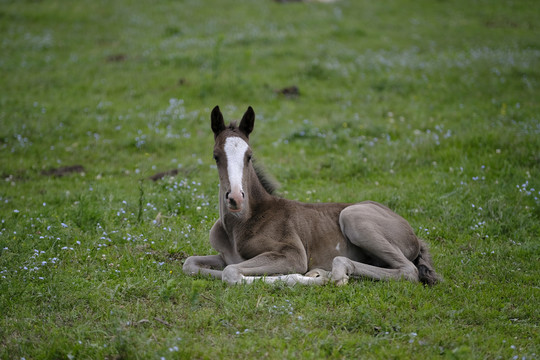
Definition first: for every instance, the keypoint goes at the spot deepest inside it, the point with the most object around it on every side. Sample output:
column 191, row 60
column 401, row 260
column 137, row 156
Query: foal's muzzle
column 235, row 200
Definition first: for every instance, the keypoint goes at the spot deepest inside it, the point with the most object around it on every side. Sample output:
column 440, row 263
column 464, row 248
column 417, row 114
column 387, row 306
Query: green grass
column 429, row 107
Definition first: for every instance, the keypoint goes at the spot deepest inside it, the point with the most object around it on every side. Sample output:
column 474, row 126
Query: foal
column 262, row 236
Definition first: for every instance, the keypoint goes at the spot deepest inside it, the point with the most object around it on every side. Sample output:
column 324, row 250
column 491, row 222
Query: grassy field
column 430, row 107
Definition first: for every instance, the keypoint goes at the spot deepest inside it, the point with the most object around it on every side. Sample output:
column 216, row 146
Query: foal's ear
column 218, row 125
column 246, row 124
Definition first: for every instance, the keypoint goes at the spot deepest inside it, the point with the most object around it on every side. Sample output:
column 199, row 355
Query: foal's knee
column 190, row 266
column 340, row 262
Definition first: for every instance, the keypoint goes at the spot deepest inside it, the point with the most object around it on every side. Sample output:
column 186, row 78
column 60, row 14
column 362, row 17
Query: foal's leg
column 213, row 264
column 382, row 234
column 289, row 279
column 205, row 265
column 343, row 267
column 292, row 264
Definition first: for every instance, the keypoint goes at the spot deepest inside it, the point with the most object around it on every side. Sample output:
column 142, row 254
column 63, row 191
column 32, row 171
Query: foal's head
column 233, row 158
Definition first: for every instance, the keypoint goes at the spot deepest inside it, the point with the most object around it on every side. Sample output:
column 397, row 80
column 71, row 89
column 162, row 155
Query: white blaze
column 235, row 150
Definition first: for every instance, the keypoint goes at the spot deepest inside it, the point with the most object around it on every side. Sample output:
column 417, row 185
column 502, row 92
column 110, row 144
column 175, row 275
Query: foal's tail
column 426, row 273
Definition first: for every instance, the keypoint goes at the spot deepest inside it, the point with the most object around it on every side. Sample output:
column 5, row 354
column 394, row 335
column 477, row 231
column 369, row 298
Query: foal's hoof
column 320, row 274
column 340, row 282
column 231, row 275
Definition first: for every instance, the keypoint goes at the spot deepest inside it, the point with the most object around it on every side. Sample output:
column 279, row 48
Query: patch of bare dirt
column 116, row 58
column 289, row 91
column 64, row 170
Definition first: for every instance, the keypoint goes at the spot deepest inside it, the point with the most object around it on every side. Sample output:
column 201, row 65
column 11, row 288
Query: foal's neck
column 257, row 193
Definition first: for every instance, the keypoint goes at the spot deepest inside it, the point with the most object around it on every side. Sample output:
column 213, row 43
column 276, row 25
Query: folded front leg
column 206, row 265
column 271, row 267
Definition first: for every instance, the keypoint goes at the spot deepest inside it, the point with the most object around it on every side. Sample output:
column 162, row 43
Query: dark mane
column 268, row 182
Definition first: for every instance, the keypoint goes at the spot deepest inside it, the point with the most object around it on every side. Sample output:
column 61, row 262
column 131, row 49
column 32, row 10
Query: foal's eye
column 249, row 158
column 216, row 158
